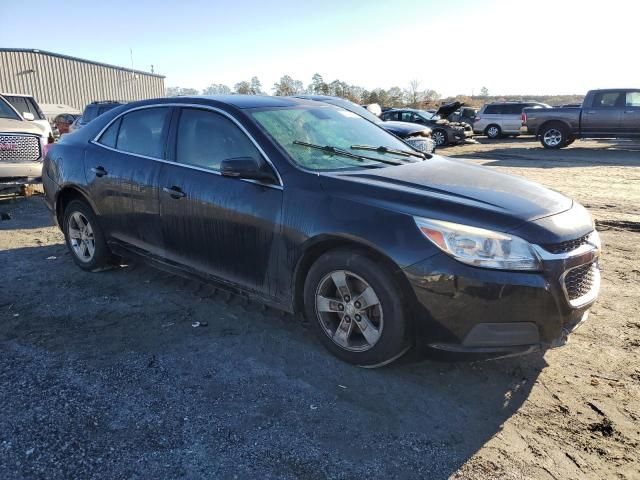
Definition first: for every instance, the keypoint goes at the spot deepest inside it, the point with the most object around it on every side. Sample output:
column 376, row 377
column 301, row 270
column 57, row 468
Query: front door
column 224, row 227
column 630, row 122
column 604, row 115
column 123, row 170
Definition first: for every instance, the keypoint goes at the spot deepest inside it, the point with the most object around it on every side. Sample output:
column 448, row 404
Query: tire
column 440, row 137
column 554, row 136
column 338, row 322
column 84, row 237
column 493, row 131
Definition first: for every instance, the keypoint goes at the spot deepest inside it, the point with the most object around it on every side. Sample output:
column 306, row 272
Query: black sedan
column 309, row 207
column 418, row 136
column 444, row 132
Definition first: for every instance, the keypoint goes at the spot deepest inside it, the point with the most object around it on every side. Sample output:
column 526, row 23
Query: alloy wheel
column 552, row 137
column 493, row 132
column 349, row 311
column 81, row 237
column 439, row 137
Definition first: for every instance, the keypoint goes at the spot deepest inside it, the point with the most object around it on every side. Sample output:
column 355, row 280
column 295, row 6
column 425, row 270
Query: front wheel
column 440, row 137
column 356, row 309
column 554, row 136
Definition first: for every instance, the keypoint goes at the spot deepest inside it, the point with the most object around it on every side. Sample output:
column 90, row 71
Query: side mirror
column 247, row 168
column 28, row 116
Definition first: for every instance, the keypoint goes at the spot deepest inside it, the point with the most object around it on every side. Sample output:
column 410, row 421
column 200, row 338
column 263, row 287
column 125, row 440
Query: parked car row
column 310, row 207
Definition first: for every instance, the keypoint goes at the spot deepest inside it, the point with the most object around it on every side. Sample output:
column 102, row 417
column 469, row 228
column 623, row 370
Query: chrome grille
column 19, row 148
column 580, row 283
column 568, row 246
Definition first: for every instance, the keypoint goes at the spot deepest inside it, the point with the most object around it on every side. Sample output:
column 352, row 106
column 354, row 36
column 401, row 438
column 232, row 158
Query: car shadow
column 140, row 367
column 574, row 156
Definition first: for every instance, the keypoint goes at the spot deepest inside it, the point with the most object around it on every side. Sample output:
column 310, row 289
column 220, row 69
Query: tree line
column 411, row 96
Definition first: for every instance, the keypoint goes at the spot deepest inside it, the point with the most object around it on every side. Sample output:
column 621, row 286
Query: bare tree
column 287, row 86
column 216, row 89
column 242, row 88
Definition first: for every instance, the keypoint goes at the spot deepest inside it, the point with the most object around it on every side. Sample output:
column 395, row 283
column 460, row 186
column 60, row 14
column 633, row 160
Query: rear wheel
column 84, row 237
column 493, row 132
column 440, row 137
column 355, row 307
column 554, row 136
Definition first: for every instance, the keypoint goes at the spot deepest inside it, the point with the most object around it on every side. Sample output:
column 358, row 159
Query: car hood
column 405, row 129
column 448, row 108
column 452, row 190
column 20, row 126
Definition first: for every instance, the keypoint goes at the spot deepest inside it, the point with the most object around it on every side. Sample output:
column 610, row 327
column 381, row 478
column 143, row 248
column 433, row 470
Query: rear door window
column 144, row 132
column 493, row 109
column 632, row 99
column 110, row 135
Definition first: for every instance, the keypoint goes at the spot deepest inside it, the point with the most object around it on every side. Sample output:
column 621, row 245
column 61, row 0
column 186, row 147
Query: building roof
column 76, row 59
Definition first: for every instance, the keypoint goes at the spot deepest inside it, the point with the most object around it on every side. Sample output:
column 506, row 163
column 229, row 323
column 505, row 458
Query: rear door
column 630, row 119
column 223, row 227
column 604, row 115
column 511, row 119
column 123, row 168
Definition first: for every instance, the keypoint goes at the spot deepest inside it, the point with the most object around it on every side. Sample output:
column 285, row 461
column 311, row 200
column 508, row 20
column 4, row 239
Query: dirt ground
column 103, row 375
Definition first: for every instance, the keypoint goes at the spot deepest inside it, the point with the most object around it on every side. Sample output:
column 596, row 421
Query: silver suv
column 502, row 118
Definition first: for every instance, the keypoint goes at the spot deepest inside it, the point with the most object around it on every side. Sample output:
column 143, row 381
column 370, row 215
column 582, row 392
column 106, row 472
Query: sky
column 511, row 47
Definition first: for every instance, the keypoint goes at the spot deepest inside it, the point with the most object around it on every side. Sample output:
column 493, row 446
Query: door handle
column 590, row 112
column 99, row 171
column 174, row 192
column 630, row 111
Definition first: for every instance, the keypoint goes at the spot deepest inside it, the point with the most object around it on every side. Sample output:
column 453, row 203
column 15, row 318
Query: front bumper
column 461, row 308
column 462, row 135
column 31, row 170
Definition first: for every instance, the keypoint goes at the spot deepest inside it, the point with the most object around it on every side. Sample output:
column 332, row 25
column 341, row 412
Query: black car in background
column 444, row 132
column 418, row 136
column 92, row 111
column 311, row 208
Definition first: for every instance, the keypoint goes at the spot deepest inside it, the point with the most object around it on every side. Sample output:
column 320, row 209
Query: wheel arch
column 555, row 121
column 322, row 244
column 65, row 196
column 492, row 124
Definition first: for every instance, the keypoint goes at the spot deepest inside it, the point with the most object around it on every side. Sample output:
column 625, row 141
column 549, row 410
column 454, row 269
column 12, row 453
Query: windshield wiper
column 382, row 149
column 344, row 153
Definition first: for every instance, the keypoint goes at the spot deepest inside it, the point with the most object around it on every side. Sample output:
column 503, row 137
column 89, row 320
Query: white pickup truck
column 22, row 143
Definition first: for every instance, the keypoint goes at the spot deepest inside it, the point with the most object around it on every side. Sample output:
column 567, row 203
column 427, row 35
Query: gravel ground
column 103, row 375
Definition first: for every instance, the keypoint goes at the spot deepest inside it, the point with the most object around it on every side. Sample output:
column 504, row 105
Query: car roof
column 250, row 101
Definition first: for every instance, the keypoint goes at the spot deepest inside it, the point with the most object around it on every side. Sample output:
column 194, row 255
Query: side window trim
column 171, row 141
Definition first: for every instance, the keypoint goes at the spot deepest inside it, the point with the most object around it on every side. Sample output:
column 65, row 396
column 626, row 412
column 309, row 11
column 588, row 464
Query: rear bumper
column 473, row 310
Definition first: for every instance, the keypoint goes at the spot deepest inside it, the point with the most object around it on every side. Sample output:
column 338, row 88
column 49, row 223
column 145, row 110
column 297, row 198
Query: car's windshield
column 327, row 125
column 7, row 112
column 352, row 107
column 428, row 115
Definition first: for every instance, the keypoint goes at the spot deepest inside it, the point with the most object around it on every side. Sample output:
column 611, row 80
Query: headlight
column 480, row 247
column 421, row 144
